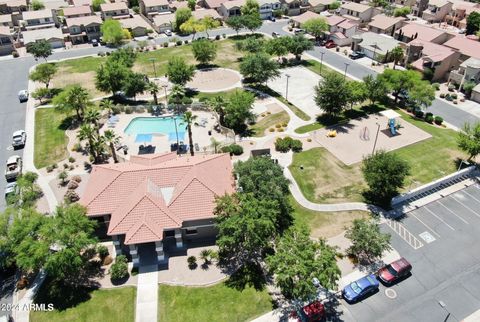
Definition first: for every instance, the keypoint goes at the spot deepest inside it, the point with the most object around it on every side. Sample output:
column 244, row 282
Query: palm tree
column 188, row 118
column 107, row 105
column 74, row 98
column 87, row 132
column 153, row 88
column 397, row 55
column 111, row 139
column 92, row 116
column 178, row 92
column 214, row 144
column 217, row 104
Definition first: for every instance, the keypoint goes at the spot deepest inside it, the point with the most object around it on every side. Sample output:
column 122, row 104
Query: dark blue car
column 360, row 288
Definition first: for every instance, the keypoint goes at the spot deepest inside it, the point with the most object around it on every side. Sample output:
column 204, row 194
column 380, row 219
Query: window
column 47, row 19
column 170, row 233
column 191, row 231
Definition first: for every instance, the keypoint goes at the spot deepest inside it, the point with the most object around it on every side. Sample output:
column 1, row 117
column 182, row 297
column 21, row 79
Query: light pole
column 153, row 63
column 321, row 61
column 346, row 66
column 374, row 52
column 286, row 91
column 376, row 138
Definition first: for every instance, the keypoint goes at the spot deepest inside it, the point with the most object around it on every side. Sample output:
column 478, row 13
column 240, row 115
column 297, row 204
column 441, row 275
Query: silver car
column 23, row 95
column 19, row 138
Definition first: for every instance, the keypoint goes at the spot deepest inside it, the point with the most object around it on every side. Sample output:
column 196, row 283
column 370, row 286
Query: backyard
column 215, row 303
column 50, row 138
column 101, row 305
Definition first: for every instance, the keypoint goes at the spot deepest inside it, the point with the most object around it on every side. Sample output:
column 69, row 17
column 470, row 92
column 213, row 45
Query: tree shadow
column 207, row 66
column 248, row 275
column 69, row 122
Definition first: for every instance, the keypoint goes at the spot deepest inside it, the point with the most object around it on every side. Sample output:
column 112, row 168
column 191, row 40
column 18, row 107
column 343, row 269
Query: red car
column 330, row 44
column 394, row 271
column 312, row 312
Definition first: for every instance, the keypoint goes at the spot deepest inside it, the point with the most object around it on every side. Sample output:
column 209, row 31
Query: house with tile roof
column 75, row 12
column 6, row 21
column 460, row 11
column 436, row 10
column 319, row 5
column 295, row 7
column 39, row 19
column 467, row 47
column 84, row 29
column 413, row 31
column 357, row 11
column 164, row 22
column 162, row 199
column 151, row 8
column 374, row 46
column 115, row 10
column 137, row 26
column 231, row 8
column 383, row 24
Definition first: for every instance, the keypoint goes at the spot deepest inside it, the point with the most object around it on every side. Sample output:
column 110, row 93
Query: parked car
column 330, row 44
column 394, row 271
column 360, row 289
column 23, row 95
column 168, row 33
column 14, row 167
column 10, row 189
column 299, row 31
column 312, row 312
column 19, row 138
column 275, row 34
column 356, row 55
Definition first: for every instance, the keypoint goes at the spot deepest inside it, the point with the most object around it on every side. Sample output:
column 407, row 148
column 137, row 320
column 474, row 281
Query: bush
column 119, row 269
column 419, row 114
column 65, row 166
column 286, row 144
column 454, row 96
column 136, row 9
column 438, row 120
column 436, row 86
column 442, row 95
column 128, row 110
column 15, row 54
column 178, row 42
column 234, row 149
column 71, row 159
column 187, row 100
column 217, row 37
column 429, row 119
column 165, row 44
column 102, row 251
column 271, row 129
column 71, row 196
column 428, row 114
column 77, row 147
column 192, row 262
column 224, row 36
column 72, row 185
column 455, row 102
column 77, row 178
column 296, row 145
column 451, row 88
column 49, row 168
column 186, row 42
column 278, row 125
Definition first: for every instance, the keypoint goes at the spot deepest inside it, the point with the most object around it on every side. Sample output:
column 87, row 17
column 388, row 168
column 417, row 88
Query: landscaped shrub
column 178, row 43
column 15, row 54
column 72, row 185
column 455, row 102
column 128, row 110
column 454, row 96
column 429, row 119
column 49, row 168
column 409, row 109
column 101, row 53
column 119, row 269
column 65, row 166
column 296, row 145
column 71, row 167
column 77, row 147
column 419, row 113
column 186, row 42
column 187, row 100
column 438, row 120
column 283, row 145
column 102, row 251
column 278, row 125
column 280, row 129
column 140, row 110
column 451, row 88
column 285, row 124
column 309, row 140
column 192, row 262
column 234, row 149
column 442, row 95
column 71, row 159
column 428, row 114
column 436, row 86
column 165, row 44
column 224, row 36
column 77, row 178
column 271, row 129
column 71, row 196
column 217, row 37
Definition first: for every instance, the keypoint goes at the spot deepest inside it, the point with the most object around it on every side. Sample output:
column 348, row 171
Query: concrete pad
column 215, row 80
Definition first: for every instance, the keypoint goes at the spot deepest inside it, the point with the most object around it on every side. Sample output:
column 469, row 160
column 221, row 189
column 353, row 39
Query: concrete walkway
column 147, row 294
column 22, row 314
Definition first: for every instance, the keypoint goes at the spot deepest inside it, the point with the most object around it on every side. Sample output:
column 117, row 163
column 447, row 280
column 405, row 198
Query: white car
column 19, row 138
column 23, row 95
column 168, row 32
column 14, row 167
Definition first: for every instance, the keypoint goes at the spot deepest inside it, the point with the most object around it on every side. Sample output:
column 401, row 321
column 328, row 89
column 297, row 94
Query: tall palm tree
column 87, row 132
column 153, row 88
column 397, row 55
column 188, row 118
column 92, row 116
column 178, row 92
column 217, row 103
column 111, row 139
column 107, row 105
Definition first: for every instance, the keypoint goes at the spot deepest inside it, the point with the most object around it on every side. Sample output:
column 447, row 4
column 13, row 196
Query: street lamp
column 346, row 66
column 374, row 52
column 376, row 137
column 153, row 63
column 286, row 91
column 321, row 61
column 444, row 306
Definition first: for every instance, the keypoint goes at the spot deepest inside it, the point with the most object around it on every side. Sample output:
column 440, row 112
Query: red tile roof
column 156, row 192
column 464, row 45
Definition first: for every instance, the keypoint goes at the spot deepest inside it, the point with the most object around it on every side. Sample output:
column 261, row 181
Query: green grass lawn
column 103, row 305
column 269, row 121
column 326, row 179
column 50, row 139
column 81, row 65
column 211, row 304
column 314, row 66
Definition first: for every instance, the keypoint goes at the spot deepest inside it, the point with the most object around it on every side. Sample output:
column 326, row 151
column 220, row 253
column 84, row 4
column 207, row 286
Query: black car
column 356, row 55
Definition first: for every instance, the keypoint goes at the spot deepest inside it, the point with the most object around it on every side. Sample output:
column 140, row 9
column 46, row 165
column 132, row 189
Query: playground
column 351, row 141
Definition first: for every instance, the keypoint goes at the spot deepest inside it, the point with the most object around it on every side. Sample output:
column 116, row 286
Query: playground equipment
column 365, row 134
column 332, row 134
column 393, row 126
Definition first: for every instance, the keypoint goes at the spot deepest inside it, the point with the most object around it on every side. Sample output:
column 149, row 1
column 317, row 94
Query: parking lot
column 441, row 240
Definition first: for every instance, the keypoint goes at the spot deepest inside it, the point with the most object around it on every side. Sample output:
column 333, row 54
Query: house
column 374, row 46
column 419, row 7
column 75, row 12
column 6, row 43
column 175, row 5
column 436, row 10
column 231, row 8
column 53, row 35
column 163, row 22
column 13, row 7
column 319, row 5
column 402, row 3
column 468, row 71
column 137, row 26
column 333, row 21
column 295, row 7
column 39, row 19
column 6, row 21
column 160, row 200
column 460, row 11
column 357, row 11
column 78, row 3
column 475, row 96
column 202, row 13
column 382, row 24
column 417, row 31
column 299, row 20
column 151, row 8
column 115, row 10
column 439, row 59
column 212, row 4
column 266, row 8
column 467, row 47
column 84, row 29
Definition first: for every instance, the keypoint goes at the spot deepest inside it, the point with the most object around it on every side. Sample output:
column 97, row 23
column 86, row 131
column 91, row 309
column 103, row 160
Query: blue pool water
column 151, row 125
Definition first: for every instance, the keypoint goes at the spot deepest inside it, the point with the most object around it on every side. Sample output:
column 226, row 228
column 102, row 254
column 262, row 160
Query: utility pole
column 153, row 63
column 286, row 91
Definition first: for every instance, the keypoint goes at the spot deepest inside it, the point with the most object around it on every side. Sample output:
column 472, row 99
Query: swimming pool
column 156, row 125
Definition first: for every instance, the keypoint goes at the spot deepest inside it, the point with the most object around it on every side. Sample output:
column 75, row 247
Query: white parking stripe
column 428, row 227
column 448, row 209
column 470, row 195
column 463, row 205
column 431, row 212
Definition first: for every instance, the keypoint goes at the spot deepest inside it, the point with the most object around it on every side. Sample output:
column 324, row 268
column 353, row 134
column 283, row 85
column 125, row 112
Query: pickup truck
column 14, row 167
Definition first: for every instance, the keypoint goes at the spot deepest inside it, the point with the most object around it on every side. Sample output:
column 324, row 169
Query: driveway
column 445, row 266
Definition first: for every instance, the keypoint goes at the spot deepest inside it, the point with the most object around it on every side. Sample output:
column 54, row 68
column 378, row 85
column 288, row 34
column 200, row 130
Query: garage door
column 56, row 43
